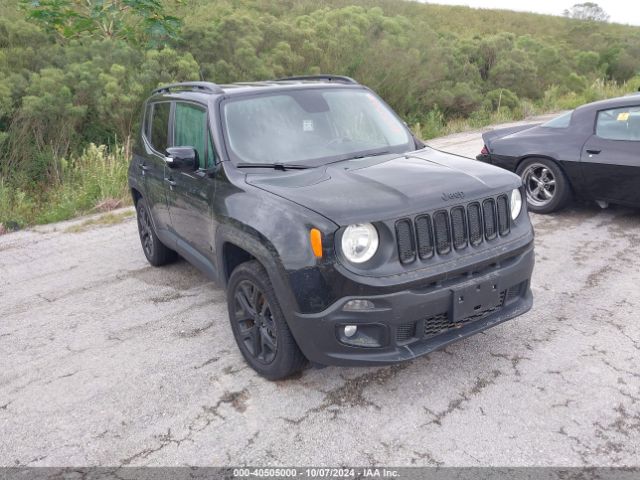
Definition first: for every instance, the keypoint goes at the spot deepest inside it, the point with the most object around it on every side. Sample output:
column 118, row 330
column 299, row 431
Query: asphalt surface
column 109, row 361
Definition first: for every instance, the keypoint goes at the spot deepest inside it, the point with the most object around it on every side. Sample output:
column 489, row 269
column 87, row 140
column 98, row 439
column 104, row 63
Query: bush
column 97, row 176
column 501, row 98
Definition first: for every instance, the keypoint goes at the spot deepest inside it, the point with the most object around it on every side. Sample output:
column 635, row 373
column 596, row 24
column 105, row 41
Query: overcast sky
column 621, row 11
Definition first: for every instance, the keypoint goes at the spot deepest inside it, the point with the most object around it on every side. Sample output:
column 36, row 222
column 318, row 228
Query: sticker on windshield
column 307, row 125
column 623, row 117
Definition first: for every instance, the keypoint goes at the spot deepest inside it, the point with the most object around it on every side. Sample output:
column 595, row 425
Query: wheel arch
column 237, row 244
column 521, row 160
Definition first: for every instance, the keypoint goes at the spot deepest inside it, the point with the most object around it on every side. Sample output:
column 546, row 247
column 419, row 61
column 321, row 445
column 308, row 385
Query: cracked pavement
column 109, row 361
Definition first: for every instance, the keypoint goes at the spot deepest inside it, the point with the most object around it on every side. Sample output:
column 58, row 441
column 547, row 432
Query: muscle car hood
column 387, row 187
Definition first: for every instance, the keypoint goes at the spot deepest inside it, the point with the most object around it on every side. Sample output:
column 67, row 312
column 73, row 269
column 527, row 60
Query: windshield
column 312, row 126
column 559, row 122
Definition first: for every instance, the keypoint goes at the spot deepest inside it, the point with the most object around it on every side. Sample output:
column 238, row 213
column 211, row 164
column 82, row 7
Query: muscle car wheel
column 546, row 186
column 156, row 252
column 258, row 324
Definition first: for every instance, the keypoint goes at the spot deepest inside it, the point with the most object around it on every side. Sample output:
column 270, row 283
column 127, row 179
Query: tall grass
column 94, row 180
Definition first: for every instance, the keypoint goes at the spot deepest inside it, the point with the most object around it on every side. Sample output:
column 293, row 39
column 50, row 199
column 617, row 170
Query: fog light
column 366, row 335
column 357, row 305
column 350, row 330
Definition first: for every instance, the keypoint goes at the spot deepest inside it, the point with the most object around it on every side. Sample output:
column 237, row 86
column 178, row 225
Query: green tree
column 139, row 21
column 587, row 62
column 587, row 11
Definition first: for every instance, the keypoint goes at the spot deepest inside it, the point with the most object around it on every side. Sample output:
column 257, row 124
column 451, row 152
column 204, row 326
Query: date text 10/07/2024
column 314, row 473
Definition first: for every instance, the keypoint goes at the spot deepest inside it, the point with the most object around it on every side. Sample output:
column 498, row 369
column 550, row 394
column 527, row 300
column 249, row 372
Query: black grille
column 406, row 247
column 503, row 215
column 459, row 227
column 443, row 234
column 514, row 292
column 405, row 331
column 455, row 229
column 489, row 213
column 475, row 224
column 436, row 324
column 425, row 236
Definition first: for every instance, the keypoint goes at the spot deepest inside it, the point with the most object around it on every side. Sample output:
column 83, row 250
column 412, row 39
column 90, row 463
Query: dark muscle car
column 592, row 152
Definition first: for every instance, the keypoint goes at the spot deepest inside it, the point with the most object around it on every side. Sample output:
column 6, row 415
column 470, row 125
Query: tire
column 258, row 324
column 546, row 186
column 156, row 252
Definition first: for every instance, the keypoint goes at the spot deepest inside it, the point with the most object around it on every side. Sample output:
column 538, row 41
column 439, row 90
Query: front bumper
column 414, row 322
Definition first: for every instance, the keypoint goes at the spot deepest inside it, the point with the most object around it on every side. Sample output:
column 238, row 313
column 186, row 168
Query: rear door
column 152, row 167
column 191, row 194
column 611, row 157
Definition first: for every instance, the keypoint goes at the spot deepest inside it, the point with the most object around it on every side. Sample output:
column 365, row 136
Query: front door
column 190, row 194
column 610, row 159
column 152, row 166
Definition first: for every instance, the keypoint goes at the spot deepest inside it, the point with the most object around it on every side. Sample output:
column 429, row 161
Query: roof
column 612, row 102
column 202, row 90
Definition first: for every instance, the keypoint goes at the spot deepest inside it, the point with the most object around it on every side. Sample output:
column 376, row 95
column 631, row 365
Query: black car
column 339, row 237
column 592, row 152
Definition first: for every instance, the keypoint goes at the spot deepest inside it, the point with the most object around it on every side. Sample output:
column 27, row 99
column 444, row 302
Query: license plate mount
column 475, row 298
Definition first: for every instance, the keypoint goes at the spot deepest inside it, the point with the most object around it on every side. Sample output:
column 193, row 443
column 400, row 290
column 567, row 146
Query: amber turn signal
column 316, row 242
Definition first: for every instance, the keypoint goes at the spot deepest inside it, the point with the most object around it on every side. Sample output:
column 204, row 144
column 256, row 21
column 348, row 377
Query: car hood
column 387, row 187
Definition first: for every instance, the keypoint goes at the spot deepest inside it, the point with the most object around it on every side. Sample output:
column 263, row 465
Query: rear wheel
column 258, row 324
column 156, row 252
column 547, row 188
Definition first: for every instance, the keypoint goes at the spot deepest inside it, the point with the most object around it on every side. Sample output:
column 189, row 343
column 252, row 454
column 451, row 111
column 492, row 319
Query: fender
column 264, row 252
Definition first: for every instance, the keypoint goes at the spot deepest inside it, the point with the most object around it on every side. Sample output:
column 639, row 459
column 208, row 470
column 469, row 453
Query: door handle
column 143, row 168
column 593, row 152
column 172, row 183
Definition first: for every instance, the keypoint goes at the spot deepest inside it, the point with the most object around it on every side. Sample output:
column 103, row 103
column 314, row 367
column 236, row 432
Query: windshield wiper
column 275, row 166
column 361, row 155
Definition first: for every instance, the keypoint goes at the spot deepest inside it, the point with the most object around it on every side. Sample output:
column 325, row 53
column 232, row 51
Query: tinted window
column 190, row 129
column 619, row 124
column 559, row 122
column 312, row 125
column 160, row 126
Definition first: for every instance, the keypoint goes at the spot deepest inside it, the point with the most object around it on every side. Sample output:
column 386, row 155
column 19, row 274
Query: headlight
column 359, row 242
column 516, row 203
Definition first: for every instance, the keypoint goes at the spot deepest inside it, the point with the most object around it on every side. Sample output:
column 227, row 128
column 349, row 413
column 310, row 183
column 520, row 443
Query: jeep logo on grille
column 452, row 196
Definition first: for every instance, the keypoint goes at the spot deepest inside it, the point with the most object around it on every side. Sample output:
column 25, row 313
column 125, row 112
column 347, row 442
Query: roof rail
column 208, row 87
column 320, row 77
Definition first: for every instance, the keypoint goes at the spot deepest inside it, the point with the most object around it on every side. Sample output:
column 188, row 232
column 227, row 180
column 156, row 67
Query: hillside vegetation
column 70, row 99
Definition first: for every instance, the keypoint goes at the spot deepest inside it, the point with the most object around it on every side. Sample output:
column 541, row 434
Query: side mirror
column 182, row 158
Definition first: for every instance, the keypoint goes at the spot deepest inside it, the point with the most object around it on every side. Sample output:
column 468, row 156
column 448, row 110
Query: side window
column 562, row 121
column 190, row 130
column 619, row 124
column 159, row 129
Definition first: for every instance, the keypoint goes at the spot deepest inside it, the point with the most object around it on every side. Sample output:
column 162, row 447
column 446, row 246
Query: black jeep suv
column 340, row 237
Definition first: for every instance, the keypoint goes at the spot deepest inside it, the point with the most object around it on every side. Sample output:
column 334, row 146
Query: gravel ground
column 109, row 361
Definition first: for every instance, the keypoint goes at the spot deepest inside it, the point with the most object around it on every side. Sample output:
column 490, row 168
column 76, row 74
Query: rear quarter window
column 562, row 121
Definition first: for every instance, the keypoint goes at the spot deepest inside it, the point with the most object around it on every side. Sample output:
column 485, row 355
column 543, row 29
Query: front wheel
column 258, row 325
column 546, row 186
